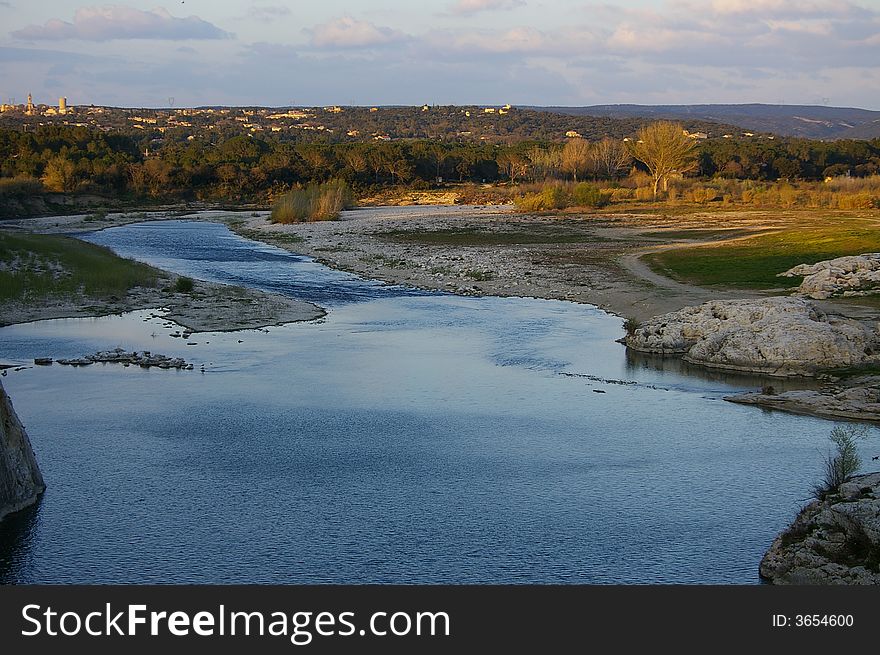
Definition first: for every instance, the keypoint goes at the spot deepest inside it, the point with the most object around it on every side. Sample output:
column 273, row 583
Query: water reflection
column 18, row 534
column 637, row 363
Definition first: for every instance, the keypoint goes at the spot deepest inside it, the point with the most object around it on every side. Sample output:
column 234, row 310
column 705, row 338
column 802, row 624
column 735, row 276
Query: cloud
column 350, row 33
column 119, row 22
column 468, row 7
column 268, row 13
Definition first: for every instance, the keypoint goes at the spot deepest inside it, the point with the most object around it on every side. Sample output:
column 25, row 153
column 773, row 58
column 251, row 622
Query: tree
column 576, row 157
column 844, row 462
column 610, row 157
column 665, row 148
column 60, row 174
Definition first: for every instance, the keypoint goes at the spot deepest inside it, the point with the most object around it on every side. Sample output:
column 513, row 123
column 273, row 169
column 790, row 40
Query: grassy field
column 753, row 263
column 40, row 266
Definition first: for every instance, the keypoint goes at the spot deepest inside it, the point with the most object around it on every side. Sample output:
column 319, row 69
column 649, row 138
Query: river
column 407, row 437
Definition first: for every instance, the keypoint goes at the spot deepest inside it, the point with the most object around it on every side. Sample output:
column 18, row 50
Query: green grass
column 476, row 237
column 754, row 263
column 696, row 234
column 55, row 266
column 277, row 238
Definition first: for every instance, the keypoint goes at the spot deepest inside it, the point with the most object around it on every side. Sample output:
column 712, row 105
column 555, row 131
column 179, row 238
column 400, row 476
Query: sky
column 382, row 52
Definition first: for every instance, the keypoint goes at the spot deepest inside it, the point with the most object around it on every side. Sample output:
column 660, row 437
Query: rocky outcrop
column 21, row 482
column 832, row 541
column 859, row 401
column 773, row 336
column 857, row 275
column 145, row 359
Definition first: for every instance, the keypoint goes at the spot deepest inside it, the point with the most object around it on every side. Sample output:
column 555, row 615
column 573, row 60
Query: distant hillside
column 468, row 124
column 808, row 121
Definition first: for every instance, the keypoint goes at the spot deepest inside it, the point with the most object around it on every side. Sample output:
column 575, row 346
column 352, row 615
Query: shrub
column 644, row 193
column 184, row 285
column 631, row 325
column 316, row 202
column 588, row 195
column 619, row 195
column 843, row 462
column 552, row 196
column 20, row 186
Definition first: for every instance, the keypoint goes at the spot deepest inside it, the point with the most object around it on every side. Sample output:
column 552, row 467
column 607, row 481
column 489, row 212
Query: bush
column 552, row 196
column 20, row 186
column 843, row 463
column 588, row 195
column 644, row 193
column 316, row 202
column 184, row 285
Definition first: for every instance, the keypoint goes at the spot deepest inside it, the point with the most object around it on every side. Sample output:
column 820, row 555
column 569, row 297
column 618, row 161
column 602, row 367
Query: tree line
column 76, row 159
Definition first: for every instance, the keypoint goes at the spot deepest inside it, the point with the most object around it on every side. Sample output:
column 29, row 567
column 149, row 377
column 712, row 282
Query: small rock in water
column 42, row 361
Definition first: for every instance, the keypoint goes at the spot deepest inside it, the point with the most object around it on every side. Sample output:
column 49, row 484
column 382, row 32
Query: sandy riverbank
column 208, row 308
column 487, row 250
column 492, row 250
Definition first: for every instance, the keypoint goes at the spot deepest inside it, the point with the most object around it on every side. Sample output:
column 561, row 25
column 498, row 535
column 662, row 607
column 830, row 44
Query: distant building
column 571, row 134
column 373, row 109
column 425, row 107
column 29, row 109
column 62, row 105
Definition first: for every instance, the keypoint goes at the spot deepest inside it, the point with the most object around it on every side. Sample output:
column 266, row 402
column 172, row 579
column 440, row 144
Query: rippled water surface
column 407, row 437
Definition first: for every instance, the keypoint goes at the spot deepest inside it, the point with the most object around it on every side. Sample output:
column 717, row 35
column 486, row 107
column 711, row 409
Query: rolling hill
column 808, row 121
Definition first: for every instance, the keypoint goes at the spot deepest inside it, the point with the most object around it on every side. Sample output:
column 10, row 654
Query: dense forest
column 78, row 159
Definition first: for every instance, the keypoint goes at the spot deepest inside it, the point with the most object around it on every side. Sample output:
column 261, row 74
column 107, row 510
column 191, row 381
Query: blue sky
column 540, row 52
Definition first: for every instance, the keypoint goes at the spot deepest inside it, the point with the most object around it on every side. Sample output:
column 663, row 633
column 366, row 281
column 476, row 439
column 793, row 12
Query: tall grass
column 561, row 195
column 35, row 266
column 20, row 186
column 316, row 202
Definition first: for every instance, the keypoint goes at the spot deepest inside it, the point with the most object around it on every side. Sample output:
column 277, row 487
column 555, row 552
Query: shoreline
column 460, row 249
column 208, row 307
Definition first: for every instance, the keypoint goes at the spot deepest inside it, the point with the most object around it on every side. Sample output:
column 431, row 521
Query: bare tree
column 666, row 149
column 610, row 158
column 576, row 157
column 513, row 164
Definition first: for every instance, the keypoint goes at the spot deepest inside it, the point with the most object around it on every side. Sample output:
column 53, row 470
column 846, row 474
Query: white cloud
column 349, row 33
column 467, row 7
column 119, row 22
column 268, row 13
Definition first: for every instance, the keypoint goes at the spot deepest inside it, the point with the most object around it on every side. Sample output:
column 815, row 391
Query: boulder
column 835, row 540
column 855, row 275
column 774, row 336
column 21, row 482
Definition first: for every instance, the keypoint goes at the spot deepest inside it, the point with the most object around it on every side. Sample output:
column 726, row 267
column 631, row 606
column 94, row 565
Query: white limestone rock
column 860, row 402
column 832, row 541
column 855, row 275
column 21, row 482
column 774, row 336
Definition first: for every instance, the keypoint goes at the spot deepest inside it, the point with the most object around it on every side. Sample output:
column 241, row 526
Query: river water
column 407, row 437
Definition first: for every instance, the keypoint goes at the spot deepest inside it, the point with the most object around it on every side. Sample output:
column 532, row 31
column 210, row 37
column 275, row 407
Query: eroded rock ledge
column 854, row 275
column 858, row 400
column 21, row 482
column 832, row 541
column 773, row 336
